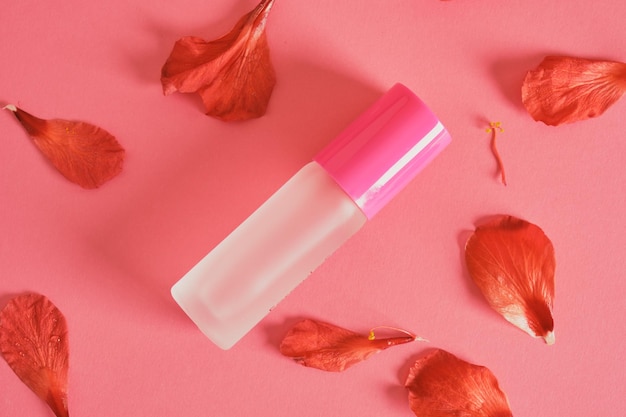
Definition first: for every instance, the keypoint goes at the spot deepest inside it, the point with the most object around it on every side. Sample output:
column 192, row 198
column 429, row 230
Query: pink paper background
column 108, row 257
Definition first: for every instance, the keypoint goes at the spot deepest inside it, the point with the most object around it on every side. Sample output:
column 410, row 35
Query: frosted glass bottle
column 236, row 285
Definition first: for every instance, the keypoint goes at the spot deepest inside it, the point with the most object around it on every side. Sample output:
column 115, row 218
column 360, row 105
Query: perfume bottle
column 237, row 284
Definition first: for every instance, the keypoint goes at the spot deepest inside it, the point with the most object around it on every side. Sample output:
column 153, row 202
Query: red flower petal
column 331, row 348
column 233, row 74
column 512, row 262
column 442, row 385
column 85, row 154
column 34, row 342
column 565, row 89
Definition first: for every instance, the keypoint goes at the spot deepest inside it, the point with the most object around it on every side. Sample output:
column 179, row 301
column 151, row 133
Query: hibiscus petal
column 85, row 154
column 331, row 348
column 233, row 74
column 442, row 385
column 34, row 342
column 512, row 262
column 565, row 89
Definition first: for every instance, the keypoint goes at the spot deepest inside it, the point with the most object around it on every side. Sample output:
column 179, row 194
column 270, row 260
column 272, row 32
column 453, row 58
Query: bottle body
column 232, row 288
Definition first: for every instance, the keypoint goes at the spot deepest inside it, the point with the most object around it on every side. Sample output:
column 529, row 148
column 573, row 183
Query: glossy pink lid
column 384, row 148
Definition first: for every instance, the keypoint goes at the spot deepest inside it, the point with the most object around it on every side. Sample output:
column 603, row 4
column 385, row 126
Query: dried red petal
column 442, row 385
column 85, row 154
column 565, row 89
column 233, row 74
column 34, row 342
column 331, row 348
column 512, row 262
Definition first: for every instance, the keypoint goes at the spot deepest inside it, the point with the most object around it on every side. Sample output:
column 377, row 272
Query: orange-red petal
column 442, row 385
column 34, row 342
column 85, row 154
column 233, row 74
column 567, row 89
column 331, row 348
column 512, row 261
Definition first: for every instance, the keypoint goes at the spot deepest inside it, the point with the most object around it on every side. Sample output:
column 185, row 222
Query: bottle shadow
column 175, row 215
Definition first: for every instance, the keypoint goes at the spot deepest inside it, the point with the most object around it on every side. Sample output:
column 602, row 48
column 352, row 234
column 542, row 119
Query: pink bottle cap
column 384, row 148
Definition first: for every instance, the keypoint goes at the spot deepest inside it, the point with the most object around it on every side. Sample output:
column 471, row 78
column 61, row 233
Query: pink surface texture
column 108, row 257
